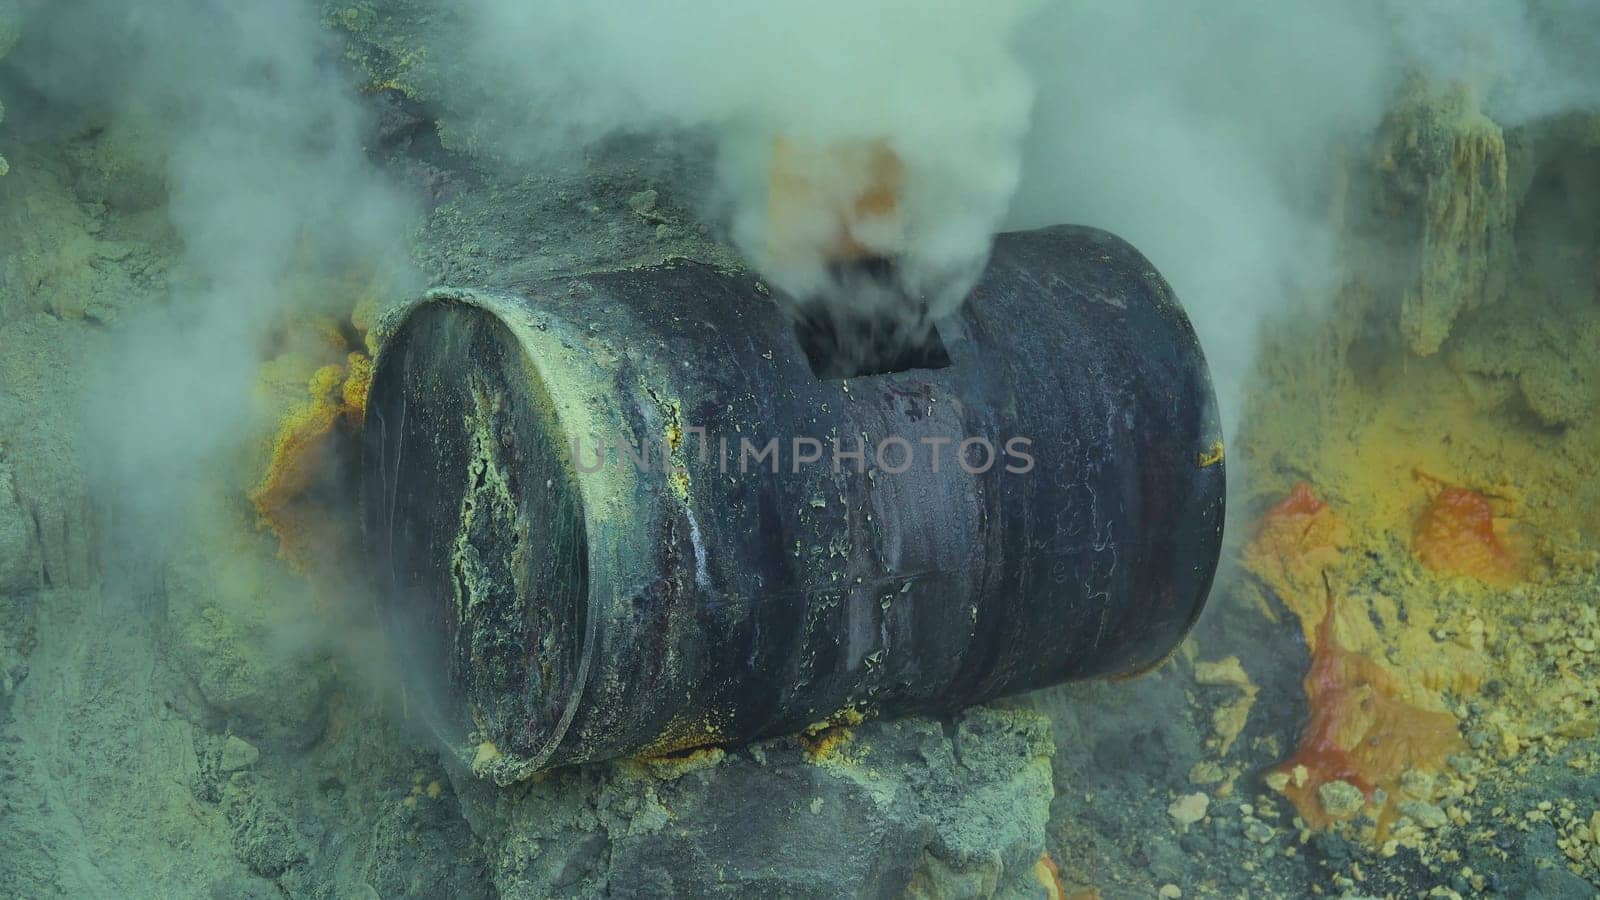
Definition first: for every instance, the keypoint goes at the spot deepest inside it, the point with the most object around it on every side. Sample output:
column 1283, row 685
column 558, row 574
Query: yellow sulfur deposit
column 306, row 441
column 1418, row 515
column 1466, row 204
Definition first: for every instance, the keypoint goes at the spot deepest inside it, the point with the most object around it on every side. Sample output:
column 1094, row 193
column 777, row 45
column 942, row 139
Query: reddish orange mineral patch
column 1048, row 874
column 1302, row 501
column 1298, row 538
column 1455, row 536
column 1360, row 731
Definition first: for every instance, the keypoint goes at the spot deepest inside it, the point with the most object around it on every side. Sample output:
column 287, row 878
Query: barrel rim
column 510, row 311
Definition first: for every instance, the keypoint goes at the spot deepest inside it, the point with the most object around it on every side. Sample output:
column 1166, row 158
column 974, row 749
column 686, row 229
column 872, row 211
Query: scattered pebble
column 1417, row 784
column 1341, row 799
column 1425, row 814
column 644, row 203
column 238, row 753
column 1189, row 809
column 1170, row 892
column 1540, row 632
column 1207, row 772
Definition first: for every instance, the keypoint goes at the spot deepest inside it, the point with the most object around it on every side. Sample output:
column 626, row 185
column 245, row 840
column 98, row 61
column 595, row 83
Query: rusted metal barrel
column 759, row 549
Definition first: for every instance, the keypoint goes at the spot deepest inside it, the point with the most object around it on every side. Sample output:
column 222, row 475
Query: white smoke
column 1528, row 58
column 1212, row 136
column 826, row 87
column 256, row 135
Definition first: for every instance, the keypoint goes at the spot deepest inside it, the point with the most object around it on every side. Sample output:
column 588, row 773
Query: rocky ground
column 211, row 720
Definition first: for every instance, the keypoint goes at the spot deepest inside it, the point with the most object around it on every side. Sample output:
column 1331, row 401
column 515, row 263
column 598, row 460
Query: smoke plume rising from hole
column 846, row 132
column 1209, row 136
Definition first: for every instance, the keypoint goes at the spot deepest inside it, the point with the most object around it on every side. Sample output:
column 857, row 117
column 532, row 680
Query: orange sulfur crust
column 1298, row 539
column 1360, row 731
column 1455, row 536
column 1048, row 874
column 1364, row 726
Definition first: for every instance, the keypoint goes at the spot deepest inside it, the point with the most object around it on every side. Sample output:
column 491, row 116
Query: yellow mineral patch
column 850, row 716
column 828, row 743
column 685, row 734
column 1048, row 874
column 826, row 740
column 1466, row 205
column 1230, row 717
column 485, row 754
column 307, row 435
column 297, row 454
column 676, row 765
column 357, row 383
column 673, row 434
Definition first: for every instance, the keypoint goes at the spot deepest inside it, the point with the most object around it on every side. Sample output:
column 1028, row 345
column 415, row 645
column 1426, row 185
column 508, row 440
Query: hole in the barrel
column 841, row 342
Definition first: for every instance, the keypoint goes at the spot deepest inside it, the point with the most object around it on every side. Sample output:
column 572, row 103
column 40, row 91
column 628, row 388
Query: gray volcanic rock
column 882, row 809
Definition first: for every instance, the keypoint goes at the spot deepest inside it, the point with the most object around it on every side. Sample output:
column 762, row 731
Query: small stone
column 237, row 753
column 1170, row 892
column 1260, row 832
column 1278, row 781
column 1539, row 632
column 1207, row 772
column 1417, row 784
column 1425, row 814
column 644, row 203
column 1341, row 799
column 1189, row 809
column 1299, row 776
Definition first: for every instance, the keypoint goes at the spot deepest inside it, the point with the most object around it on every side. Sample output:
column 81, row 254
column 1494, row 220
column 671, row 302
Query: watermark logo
column 891, row 455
